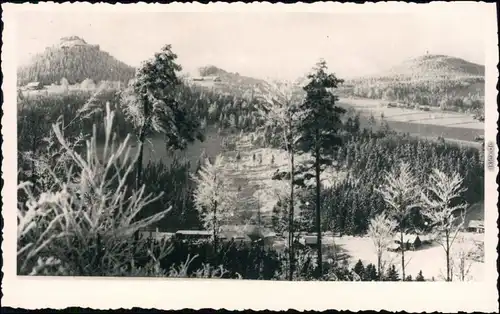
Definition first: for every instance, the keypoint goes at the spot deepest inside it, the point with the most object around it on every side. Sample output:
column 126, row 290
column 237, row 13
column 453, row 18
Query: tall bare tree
column 401, row 192
column 279, row 109
column 445, row 210
column 463, row 256
column 213, row 196
column 381, row 230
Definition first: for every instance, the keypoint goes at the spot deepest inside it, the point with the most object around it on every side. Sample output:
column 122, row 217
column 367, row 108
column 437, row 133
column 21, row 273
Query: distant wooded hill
column 430, row 80
column 76, row 60
column 227, row 82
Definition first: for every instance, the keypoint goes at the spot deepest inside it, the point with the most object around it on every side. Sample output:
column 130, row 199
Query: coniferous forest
column 105, row 207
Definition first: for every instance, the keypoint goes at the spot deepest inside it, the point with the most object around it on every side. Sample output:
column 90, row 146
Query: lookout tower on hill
column 73, row 41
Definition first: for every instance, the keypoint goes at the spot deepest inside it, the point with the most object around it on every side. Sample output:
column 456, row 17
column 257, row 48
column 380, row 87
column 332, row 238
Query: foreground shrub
column 85, row 222
column 248, row 261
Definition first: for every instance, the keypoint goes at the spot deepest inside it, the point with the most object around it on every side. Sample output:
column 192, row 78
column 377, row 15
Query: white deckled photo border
column 166, row 293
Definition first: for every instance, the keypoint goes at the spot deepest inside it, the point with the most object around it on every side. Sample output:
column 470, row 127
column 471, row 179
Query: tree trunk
column 215, row 228
column 142, row 139
column 290, row 219
column 402, row 255
column 379, row 265
column 448, row 270
column 318, row 209
column 138, row 178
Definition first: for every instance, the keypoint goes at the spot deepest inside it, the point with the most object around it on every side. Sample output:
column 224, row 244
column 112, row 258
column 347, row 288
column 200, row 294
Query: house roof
column 311, row 239
column 33, row 84
column 194, row 232
column 425, row 237
column 233, row 234
column 407, row 238
column 156, row 234
column 393, row 246
column 476, row 224
column 411, row 238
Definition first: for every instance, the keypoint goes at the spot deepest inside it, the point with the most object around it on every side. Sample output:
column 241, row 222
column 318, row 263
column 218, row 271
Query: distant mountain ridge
column 76, row 60
column 431, row 66
column 224, row 75
column 430, row 80
column 227, row 82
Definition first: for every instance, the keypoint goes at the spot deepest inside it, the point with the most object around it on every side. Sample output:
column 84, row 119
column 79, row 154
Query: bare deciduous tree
column 463, row 257
column 402, row 193
column 213, row 196
column 280, row 110
column 445, row 211
column 381, row 230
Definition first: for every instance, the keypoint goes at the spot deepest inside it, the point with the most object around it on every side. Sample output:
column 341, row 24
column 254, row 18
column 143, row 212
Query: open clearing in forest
column 431, row 260
column 253, row 178
column 428, row 124
column 250, row 178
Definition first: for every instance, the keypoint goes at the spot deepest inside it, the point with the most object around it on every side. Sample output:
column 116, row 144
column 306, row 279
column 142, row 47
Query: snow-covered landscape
column 276, row 159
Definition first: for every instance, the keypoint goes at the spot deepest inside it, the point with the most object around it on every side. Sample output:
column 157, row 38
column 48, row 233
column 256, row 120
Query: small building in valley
column 311, row 240
column 212, row 78
column 34, row 86
column 476, row 226
column 193, row 234
column 411, row 242
column 155, row 233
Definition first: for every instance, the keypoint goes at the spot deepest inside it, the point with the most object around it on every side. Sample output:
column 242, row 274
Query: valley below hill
column 455, row 126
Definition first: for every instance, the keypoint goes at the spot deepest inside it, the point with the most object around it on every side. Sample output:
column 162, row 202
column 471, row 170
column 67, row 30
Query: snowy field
column 253, row 178
column 433, row 117
column 430, row 260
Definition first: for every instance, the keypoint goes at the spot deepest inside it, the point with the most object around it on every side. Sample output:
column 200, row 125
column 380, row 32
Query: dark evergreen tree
column 420, row 277
column 319, row 131
column 359, row 269
column 392, row 274
column 152, row 103
column 370, row 273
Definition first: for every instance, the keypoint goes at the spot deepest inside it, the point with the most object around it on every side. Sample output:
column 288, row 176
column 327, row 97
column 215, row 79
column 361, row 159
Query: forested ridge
column 431, row 80
column 75, row 63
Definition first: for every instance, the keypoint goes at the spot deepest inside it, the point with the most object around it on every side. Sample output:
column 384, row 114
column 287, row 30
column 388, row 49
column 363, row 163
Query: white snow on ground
column 255, row 178
column 259, row 191
column 376, row 107
column 431, row 260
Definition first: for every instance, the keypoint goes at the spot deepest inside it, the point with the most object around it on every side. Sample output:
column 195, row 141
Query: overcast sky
column 280, row 45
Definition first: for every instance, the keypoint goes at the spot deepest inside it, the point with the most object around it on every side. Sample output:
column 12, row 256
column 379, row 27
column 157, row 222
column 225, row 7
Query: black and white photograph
column 271, row 146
